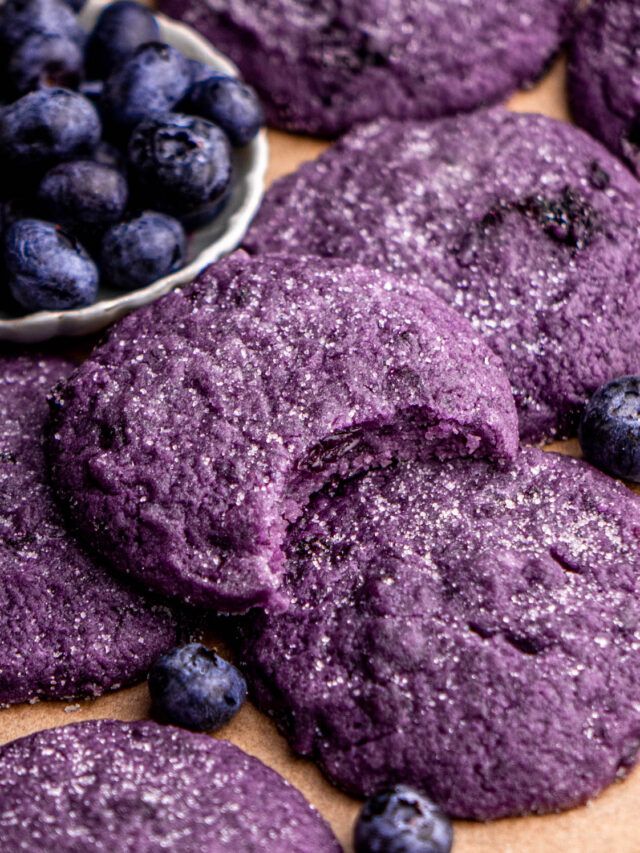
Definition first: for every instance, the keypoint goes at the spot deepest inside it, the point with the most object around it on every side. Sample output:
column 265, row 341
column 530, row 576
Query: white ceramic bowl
column 206, row 245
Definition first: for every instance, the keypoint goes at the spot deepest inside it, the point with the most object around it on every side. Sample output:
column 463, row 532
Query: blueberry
column 120, row 29
column 142, row 250
column 610, row 428
column 20, row 19
column 401, row 820
column 47, row 127
column 83, row 196
column 47, row 268
column 194, row 688
column 179, row 162
column 230, row 104
column 148, row 84
column 45, row 60
column 76, row 5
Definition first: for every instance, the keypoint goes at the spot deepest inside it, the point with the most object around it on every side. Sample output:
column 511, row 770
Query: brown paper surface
column 610, row 824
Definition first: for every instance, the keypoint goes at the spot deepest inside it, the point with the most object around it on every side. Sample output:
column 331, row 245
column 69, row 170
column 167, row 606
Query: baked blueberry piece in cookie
column 524, row 224
column 604, row 76
column 189, row 440
column 106, row 785
column 67, row 628
column 322, row 67
column 467, row 631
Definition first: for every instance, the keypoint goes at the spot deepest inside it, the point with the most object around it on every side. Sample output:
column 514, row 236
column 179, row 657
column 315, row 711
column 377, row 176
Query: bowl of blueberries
column 131, row 157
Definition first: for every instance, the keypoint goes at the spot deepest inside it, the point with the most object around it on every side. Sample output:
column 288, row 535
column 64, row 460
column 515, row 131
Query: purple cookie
column 604, row 76
column 144, row 788
column 472, row 632
column 524, row 224
column 192, row 437
column 67, row 628
column 322, row 67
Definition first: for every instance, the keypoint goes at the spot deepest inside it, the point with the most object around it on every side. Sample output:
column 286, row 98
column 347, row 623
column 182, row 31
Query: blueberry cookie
column 468, row 631
column 322, row 67
column 604, row 76
column 67, row 628
column 106, row 785
column 188, row 441
column 524, row 224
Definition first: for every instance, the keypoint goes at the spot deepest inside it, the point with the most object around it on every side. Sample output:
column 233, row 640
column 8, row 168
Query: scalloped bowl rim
column 42, row 325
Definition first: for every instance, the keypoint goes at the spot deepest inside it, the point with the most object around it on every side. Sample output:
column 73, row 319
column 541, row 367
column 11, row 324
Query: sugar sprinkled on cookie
column 106, row 785
column 188, row 441
column 325, row 66
column 67, row 628
column 469, row 632
column 524, row 224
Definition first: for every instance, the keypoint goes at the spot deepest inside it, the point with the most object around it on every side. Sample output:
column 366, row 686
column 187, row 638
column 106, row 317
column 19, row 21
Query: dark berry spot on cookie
column 598, row 178
column 568, row 219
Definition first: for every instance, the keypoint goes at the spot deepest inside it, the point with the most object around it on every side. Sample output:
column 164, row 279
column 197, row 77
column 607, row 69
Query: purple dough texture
column 140, row 787
column 524, row 224
column 67, row 628
column 322, row 67
column 604, row 76
column 472, row 632
column 188, row 441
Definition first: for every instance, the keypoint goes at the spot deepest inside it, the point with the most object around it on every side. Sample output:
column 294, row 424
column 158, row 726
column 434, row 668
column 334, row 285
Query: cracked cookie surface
column 190, row 439
column 471, row 632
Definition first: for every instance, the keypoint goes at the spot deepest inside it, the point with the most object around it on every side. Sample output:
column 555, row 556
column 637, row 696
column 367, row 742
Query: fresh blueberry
column 194, row 688
column 20, row 19
column 120, row 29
column 76, row 5
column 402, row 820
column 47, row 268
column 179, row 163
column 45, row 60
column 83, row 196
column 46, row 127
column 142, row 250
column 610, row 428
column 148, row 84
column 230, row 104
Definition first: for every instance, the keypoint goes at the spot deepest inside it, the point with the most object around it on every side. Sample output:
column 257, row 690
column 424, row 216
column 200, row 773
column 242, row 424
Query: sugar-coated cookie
column 471, row 632
column 106, row 785
column 324, row 66
column 604, row 76
column 525, row 225
column 67, row 628
column 188, row 441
